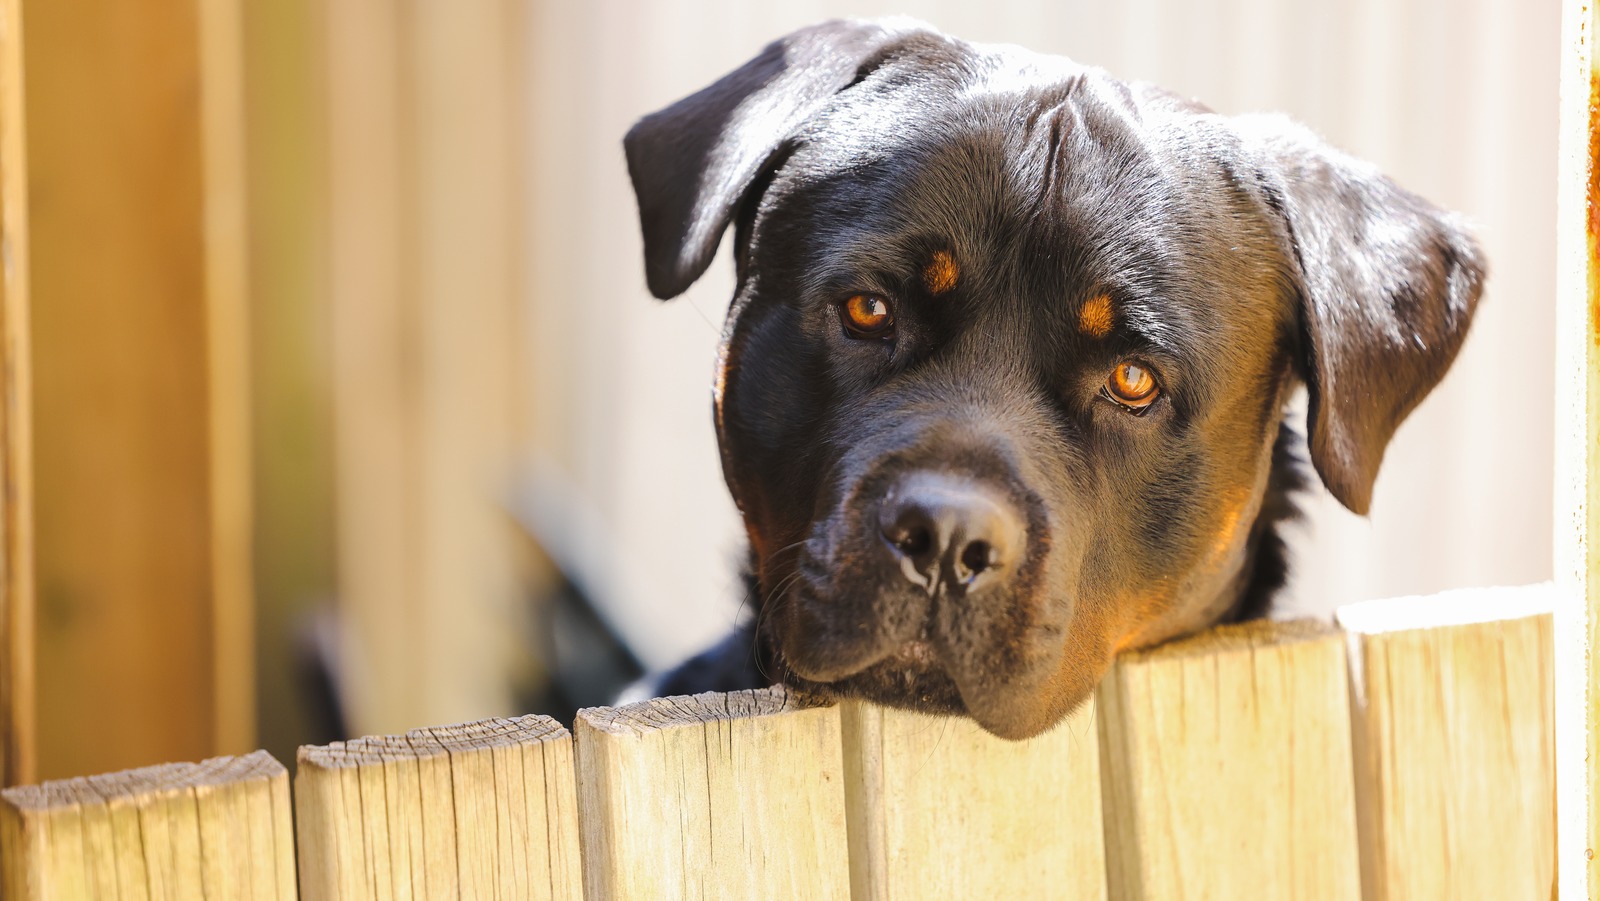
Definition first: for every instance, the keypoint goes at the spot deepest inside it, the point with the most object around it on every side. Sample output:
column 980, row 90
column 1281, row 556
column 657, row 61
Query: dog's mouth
column 909, row 678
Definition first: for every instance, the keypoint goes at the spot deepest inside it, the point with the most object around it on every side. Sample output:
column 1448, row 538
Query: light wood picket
column 477, row 810
column 731, row 796
column 1226, row 767
column 218, row 830
column 1453, row 726
column 941, row 809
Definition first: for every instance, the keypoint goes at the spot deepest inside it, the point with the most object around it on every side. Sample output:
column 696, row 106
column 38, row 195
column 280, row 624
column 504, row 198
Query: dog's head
column 1000, row 385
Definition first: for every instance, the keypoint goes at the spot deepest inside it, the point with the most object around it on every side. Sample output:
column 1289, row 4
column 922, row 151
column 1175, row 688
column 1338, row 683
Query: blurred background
column 351, row 412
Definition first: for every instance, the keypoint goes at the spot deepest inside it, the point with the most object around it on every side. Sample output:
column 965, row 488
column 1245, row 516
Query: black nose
column 946, row 527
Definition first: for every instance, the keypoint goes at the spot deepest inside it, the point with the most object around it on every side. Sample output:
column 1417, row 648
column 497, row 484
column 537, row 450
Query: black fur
column 1089, row 224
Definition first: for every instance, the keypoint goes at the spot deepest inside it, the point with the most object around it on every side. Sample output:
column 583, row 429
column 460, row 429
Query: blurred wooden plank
column 227, row 357
column 426, row 279
column 1226, row 767
column 941, row 809
column 737, row 795
column 1577, row 525
column 1453, row 731
column 479, row 810
column 290, row 358
column 137, row 491
column 17, row 717
column 218, row 830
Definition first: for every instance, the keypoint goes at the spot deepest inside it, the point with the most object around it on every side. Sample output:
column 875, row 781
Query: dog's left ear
column 693, row 162
column 1386, row 286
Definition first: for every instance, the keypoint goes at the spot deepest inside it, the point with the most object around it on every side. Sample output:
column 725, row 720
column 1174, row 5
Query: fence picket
column 1454, row 741
column 218, row 829
column 478, row 810
column 1226, row 767
column 941, row 809
column 736, row 795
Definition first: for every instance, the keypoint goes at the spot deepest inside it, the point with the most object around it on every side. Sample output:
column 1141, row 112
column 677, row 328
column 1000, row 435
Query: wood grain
column 1453, row 728
column 17, row 601
column 219, row 830
column 1226, row 767
column 478, row 810
column 737, row 795
column 941, row 809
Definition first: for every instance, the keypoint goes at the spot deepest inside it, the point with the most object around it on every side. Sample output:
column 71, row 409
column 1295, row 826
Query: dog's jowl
column 1001, row 390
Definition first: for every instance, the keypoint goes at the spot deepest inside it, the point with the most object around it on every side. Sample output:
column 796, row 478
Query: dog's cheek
column 770, row 387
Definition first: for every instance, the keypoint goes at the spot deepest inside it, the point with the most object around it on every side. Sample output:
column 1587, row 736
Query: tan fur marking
column 941, row 272
column 1094, row 319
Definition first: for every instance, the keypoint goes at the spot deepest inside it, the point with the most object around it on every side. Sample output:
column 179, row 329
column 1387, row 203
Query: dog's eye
column 867, row 316
column 1132, row 385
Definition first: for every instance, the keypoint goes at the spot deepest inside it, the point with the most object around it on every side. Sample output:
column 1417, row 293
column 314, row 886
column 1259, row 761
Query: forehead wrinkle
column 862, row 257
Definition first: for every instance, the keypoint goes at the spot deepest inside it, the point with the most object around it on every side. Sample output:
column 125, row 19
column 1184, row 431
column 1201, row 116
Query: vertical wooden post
column 290, row 387
column 227, row 359
column 479, row 810
column 219, row 830
column 1577, row 538
column 140, row 476
column 424, row 177
column 1452, row 707
column 1226, row 765
column 736, row 795
column 17, row 732
column 941, row 809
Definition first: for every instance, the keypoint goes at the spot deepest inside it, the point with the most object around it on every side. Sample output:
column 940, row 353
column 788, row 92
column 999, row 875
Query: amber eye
column 867, row 316
column 1132, row 385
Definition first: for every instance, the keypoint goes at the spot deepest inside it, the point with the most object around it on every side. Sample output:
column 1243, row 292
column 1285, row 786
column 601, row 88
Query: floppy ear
column 692, row 162
column 1386, row 286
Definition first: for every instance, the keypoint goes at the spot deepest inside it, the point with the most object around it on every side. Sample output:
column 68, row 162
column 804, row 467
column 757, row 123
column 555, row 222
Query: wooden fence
column 1408, row 755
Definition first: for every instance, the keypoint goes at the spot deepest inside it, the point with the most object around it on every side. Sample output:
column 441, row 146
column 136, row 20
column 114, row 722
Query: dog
column 1001, row 389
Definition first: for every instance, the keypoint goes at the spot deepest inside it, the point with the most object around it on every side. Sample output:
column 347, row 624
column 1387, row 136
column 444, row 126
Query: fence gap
column 1453, row 721
column 478, row 810
column 1226, row 765
column 941, row 809
column 737, row 795
column 219, row 829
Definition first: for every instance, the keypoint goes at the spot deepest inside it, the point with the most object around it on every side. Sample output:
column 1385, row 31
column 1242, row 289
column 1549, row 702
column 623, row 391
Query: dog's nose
column 942, row 526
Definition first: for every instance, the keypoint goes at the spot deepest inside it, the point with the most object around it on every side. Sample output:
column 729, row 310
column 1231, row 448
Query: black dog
column 1001, row 390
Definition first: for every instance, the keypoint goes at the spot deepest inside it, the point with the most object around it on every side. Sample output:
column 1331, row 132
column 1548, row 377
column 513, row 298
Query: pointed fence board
column 1226, row 767
column 479, row 810
column 218, row 830
column 1453, row 719
column 941, row 809
column 737, row 795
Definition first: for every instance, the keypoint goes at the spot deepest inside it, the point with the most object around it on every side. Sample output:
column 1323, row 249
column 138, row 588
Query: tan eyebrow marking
column 1095, row 318
column 941, row 273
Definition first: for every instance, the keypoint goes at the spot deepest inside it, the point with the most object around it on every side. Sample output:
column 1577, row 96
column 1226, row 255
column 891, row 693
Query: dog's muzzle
column 949, row 533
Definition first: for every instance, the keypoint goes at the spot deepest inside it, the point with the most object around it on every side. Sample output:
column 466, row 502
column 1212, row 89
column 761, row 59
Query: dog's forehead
column 1021, row 166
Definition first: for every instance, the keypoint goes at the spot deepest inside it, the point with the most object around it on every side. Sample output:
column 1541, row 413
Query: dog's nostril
column 977, row 556
column 913, row 541
column 946, row 527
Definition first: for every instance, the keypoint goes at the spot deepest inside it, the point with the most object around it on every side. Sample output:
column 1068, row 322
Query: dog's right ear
column 693, row 162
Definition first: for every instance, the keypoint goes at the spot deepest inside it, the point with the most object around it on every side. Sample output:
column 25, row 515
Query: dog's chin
column 911, row 678
column 908, row 679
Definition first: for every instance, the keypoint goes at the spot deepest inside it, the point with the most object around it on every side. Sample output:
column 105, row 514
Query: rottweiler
column 1002, row 388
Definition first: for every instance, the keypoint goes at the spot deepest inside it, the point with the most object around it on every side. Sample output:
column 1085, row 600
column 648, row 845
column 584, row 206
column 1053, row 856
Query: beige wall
column 1456, row 100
